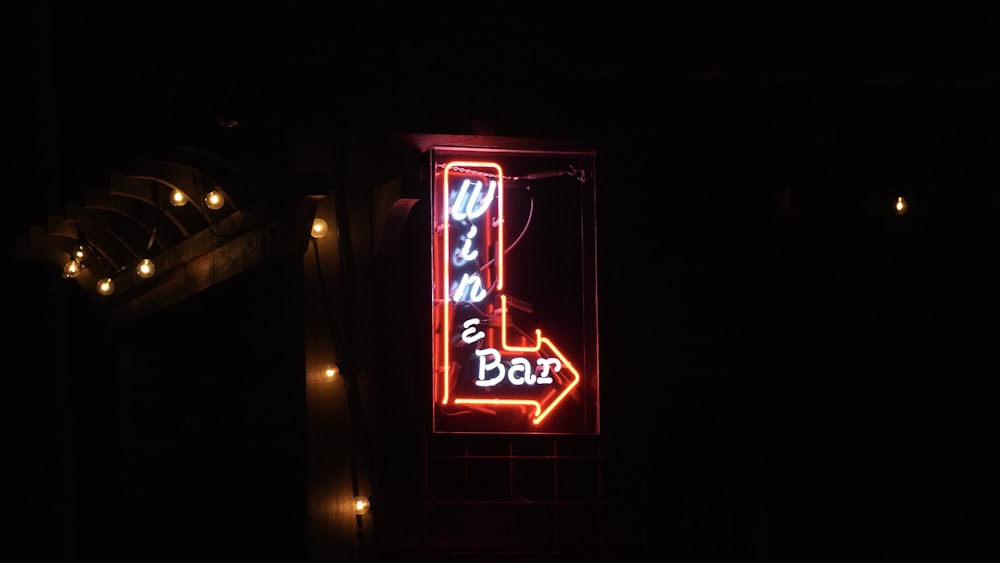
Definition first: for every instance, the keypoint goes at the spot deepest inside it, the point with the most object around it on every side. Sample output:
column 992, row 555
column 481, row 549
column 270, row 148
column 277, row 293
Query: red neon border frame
column 540, row 413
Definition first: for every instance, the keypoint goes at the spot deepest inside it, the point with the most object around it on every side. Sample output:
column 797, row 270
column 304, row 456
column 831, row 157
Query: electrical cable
column 359, row 450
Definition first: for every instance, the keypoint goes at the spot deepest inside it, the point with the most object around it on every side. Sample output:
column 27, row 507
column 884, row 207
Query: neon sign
column 511, row 353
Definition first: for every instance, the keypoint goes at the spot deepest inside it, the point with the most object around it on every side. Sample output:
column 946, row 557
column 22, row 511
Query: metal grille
column 527, row 496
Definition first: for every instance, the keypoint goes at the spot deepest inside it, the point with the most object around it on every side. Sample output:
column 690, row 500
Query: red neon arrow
column 546, row 404
column 542, row 400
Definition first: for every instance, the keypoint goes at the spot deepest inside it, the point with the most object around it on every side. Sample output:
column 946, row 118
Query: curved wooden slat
column 58, row 249
column 144, row 215
column 188, row 218
column 57, row 226
column 191, row 181
column 108, row 239
column 239, row 187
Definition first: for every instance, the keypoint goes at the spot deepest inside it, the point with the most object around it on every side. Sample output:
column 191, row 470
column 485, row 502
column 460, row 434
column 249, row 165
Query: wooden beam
column 209, row 258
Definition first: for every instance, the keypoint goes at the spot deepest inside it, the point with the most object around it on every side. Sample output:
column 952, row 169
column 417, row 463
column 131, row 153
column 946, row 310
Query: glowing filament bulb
column 214, row 200
column 72, row 268
column 361, row 504
column 177, row 198
column 106, row 286
column 319, row 228
column 146, row 268
column 901, row 205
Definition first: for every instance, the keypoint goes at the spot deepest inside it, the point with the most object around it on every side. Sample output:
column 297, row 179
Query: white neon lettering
column 474, row 205
column 468, row 254
column 471, row 334
column 492, row 369
column 520, row 365
column 485, row 366
column 484, row 203
column 471, row 286
column 544, row 364
column 470, row 204
column 463, row 194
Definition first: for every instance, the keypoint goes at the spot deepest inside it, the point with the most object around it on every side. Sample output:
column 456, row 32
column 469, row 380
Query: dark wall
column 210, row 463
column 804, row 364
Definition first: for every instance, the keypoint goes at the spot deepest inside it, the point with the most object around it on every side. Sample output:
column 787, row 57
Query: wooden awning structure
column 193, row 246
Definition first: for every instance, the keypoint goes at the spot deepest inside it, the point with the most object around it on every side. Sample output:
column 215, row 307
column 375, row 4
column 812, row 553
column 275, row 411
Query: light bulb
column 177, row 198
column 319, row 228
column 81, row 254
column 146, row 268
column 361, row 504
column 106, row 286
column 72, row 268
column 214, row 200
column 901, row 205
column 331, row 371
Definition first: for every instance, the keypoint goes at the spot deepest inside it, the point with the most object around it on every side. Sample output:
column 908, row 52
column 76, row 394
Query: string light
column 901, row 205
column 146, row 268
column 319, row 228
column 361, row 504
column 77, row 261
column 106, row 286
column 81, row 254
column 177, row 198
column 331, row 372
column 72, row 268
column 214, row 200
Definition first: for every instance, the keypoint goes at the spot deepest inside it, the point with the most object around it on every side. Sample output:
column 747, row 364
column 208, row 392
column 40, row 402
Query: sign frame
column 514, row 291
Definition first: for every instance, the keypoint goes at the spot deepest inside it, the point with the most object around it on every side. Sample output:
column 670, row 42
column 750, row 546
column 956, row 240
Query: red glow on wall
column 497, row 368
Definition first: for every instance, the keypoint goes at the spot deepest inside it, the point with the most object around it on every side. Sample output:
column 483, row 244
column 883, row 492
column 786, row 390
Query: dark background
column 802, row 374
